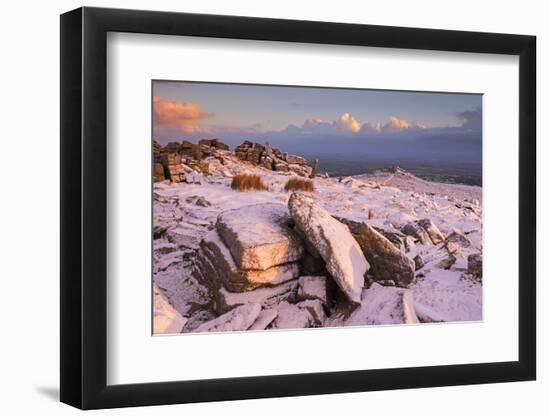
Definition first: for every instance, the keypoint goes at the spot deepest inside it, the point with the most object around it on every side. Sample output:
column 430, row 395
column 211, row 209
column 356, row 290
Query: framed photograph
column 257, row 208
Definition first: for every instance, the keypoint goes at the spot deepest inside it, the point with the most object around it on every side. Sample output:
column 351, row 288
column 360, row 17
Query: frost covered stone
column 165, row 317
column 290, row 316
column 312, row 288
column 315, row 308
column 386, row 260
column 343, row 257
column 435, row 235
column 456, row 236
column 264, row 319
column 224, row 300
column 416, row 231
column 259, row 236
column 384, row 305
column 240, row 318
column 237, row 279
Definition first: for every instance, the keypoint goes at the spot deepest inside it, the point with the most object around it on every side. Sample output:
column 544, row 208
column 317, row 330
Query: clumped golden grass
column 247, row 182
column 298, row 184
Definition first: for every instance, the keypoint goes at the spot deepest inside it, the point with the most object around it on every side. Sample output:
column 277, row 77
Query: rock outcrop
column 172, row 166
column 342, row 254
column 260, row 236
column 219, row 265
column 272, row 158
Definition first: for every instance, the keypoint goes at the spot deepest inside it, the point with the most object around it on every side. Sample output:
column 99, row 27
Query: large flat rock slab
column 237, row 279
column 260, row 236
column 342, row 254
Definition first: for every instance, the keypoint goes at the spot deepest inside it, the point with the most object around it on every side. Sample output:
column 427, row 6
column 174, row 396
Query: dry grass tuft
column 371, row 214
column 298, row 184
column 247, row 182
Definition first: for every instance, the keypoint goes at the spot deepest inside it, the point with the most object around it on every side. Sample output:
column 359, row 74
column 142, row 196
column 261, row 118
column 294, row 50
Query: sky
column 354, row 121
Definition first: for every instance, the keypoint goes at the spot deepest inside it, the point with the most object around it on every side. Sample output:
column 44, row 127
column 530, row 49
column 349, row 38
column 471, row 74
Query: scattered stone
column 264, row 319
column 409, row 243
column 260, row 236
column 342, row 254
column 240, row 318
column 383, row 305
column 475, row 266
column 166, row 319
column 447, row 262
column 386, row 260
column 417, row 232
column 387, row 283
column 435, row 235
column 312, row 288
column 172, row 259
column 290, row 316
column 452, row 248
column 267, row 297
column 316, row 310
column 427, row 315
column 456, row 236
column 193, row 178
column 181, row 237
column 418, row 262
column 394, row 236
column 162, row 247
column 198, row 201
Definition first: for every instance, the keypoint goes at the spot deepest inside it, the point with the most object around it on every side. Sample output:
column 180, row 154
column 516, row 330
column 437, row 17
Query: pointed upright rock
column 342, row 254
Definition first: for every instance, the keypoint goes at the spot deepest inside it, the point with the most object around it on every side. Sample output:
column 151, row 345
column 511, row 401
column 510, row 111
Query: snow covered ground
column 442, row 290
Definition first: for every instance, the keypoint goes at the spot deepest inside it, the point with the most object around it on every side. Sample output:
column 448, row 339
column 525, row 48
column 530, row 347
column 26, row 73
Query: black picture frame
column 84, row 207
